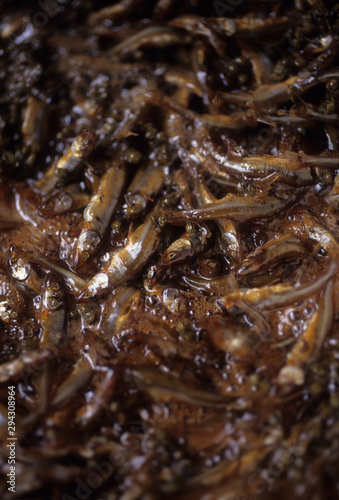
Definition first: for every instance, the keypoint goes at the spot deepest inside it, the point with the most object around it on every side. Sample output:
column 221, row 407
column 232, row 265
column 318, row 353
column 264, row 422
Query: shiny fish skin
column 184, row 79
column 79, row 376
column 241, row 27
column 13, row 370
column 20, row 269
column 309, row 343
column 81, row 147
column 148, row 181
column 53, row 315
column 271, row 253
column 169, row 309
column 250, row 27
column 117, row 308
column 157, row 36
column 190, row 244
column 277, row 93
column 221, row 285
column 125, row 263
column 34, row 122
column 235, row 121
column 232, row 206
column 99, row 211
column 316, row 232
column 102, row 397
column 74, row 282
column 291, row 167
column 112, row 12
column 187, row 246
column 169, row 387
column 275, row 296
column 229, row 236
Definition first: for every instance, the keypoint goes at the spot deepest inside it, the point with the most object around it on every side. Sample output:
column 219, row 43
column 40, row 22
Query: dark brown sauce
column 169, row 249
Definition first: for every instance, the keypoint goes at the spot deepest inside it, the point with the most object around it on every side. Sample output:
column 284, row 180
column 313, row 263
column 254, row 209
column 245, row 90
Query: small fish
column 316, row 232
column 74, row 382
column 234, row 121
column 232, row 206
column 276, row 93
column 53, row 315
column 132, row 103
column 101, row 398
column 99, row 211
column 14, row 370
column 34, row 122
column 113, row 12
column 308, row 344
column 74, row 282
column 221, row 285
column 123, row 264
column 277, row 296
column 293, row 168
column 171, row 298
column 305, row 115
column 183, row 79
column 148, row 181
column 250, row 27
column 195, row 25
column 117, row 308
column 169, row 388
column 68, row 164
column 229, row 236
column 152, row 36
column 222, row 477
column 270, row 254
column 70, row 199
column 21, row 270
column 266, row 94
column 261, row 64
column 190, row 244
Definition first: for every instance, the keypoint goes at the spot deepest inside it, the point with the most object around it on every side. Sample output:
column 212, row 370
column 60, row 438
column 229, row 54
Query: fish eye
column 84, row 256
column 53, row 303
column 55, row 286
column 88, row 241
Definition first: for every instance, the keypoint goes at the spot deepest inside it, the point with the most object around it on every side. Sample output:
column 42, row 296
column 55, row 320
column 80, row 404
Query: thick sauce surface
column 169, row 252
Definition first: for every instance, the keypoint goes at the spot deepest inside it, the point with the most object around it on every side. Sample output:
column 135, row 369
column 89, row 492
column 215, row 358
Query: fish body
column 98, row 212
column 126, row 262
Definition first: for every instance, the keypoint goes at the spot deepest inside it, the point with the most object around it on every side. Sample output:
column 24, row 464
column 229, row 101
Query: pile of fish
column 169, row 249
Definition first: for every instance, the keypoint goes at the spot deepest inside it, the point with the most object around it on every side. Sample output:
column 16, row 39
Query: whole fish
column 67, row 165
column 276, row 296
column 232, row 206
column 99, row 211
column 125, row 263
column 309, row 343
